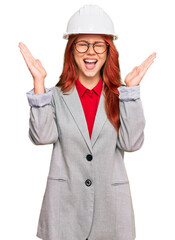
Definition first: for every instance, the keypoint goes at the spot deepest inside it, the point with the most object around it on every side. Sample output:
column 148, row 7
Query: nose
column 91, row 49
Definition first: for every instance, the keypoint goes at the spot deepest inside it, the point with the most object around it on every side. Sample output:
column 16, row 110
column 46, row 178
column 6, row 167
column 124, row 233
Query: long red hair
column 110, row 73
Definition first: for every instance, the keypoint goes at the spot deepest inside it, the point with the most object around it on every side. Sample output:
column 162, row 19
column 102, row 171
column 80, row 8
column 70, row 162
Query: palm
column 135, row 76
column 34, row 65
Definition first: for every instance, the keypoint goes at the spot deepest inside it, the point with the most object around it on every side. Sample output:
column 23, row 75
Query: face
column 89, row 69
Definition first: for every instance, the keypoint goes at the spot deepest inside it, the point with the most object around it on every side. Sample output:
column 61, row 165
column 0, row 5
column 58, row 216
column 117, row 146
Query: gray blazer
column 87, row 194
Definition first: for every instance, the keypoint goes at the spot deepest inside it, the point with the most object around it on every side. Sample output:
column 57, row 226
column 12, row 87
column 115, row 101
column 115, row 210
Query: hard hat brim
column 66, row 35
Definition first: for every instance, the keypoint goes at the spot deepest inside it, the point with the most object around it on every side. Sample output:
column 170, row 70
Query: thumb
column 39, row 62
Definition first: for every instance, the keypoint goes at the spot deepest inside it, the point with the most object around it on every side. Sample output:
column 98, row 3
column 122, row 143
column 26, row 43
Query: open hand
column 34, row 65
column 135, row 76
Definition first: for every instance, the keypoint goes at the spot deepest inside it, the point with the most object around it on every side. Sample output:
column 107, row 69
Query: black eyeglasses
column 83, row 46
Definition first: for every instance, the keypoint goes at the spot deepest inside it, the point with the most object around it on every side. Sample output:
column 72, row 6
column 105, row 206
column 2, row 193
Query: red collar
column 81, row 88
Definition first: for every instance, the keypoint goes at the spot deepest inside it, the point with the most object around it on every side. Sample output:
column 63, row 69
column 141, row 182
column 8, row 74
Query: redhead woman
column 92, row 119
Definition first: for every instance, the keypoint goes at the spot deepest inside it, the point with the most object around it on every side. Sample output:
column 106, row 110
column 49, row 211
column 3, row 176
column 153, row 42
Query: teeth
column 90, row 61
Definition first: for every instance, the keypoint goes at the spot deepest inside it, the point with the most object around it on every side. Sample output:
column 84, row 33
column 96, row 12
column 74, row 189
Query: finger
column 27, row 53
column 149, row 64
column 25, row 58
column 144, row 66
column 30, row 64
column 145, row 69
column 147, row 61
column 39, row 62
column 23, row 46
column 29, row 59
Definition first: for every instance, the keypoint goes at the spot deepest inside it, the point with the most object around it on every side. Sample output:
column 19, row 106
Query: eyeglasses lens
column 98, row 47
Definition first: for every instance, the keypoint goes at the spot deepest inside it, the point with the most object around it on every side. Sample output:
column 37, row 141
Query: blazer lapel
column 74, row 105
column 100, row 119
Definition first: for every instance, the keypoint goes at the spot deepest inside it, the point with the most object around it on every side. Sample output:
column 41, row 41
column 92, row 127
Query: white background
column 142, row 27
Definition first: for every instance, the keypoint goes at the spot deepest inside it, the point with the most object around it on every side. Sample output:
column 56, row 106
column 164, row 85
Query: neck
column 89, row 82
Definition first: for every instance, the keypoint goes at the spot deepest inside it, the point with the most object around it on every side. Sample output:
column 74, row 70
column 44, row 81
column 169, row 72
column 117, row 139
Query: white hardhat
column 90, row 19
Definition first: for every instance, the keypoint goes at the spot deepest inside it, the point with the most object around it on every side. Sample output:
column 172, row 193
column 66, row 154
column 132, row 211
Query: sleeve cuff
column 39, row 100
column 129, row 93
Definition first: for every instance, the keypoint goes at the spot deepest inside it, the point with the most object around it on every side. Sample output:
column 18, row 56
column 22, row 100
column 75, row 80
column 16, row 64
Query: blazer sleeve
column 42, row 122
column 132, row 120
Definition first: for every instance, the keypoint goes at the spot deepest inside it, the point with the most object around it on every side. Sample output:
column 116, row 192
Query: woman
column 91, row 118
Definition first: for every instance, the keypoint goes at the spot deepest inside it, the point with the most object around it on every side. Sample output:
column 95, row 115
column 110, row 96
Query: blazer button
column 89, row 157
column 88, row 182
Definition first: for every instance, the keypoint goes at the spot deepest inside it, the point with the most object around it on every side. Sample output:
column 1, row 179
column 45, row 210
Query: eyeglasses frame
column 107, row 44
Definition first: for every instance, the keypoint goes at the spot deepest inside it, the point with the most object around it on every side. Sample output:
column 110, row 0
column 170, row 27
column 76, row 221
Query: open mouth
column 90, row 64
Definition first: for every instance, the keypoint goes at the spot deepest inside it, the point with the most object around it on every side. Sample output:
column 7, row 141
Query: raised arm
column 42, row 123
column 132, row 120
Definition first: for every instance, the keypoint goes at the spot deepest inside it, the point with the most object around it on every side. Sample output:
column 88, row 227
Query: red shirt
column 89, row 100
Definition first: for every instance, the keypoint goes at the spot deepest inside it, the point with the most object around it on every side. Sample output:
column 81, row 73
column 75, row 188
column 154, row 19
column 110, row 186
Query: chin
column 90, row 73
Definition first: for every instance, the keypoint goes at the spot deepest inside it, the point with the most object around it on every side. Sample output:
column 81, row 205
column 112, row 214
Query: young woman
column 91, row 118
